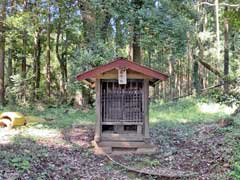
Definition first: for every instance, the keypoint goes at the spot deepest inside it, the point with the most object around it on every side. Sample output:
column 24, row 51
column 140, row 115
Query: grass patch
column 186, row 111
column 232, row 141
column 172, row 123
column 59, row 117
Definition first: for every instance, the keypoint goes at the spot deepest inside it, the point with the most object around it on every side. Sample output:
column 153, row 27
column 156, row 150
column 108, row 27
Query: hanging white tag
column 122, row 76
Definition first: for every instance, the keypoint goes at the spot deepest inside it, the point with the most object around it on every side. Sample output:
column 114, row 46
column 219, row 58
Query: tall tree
column 226, row 52
column 89, row 24
column 61, row 56
column 2, row 49
column 36, row 50
column 12, row 11
column 37, row 63
column 136, row 49
column 217, row 31
column 24, row 54
column 48, row 60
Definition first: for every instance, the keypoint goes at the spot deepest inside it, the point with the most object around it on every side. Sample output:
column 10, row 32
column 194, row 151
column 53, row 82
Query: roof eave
column 121, row 63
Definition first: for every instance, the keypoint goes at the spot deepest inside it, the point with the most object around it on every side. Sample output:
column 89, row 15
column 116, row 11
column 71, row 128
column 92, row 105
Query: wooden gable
column 134, row 70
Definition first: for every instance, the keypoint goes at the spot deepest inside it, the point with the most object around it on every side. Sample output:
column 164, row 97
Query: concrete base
column 118, row 148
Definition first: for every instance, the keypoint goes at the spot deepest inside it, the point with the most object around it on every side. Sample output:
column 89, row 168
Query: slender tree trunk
column 172, row 73
column 64, row 56
column 130, row 49
column 105, row 25
column 119, row 36
column 48, row 61
column 36, row 69
column 10, row 50
column 89, row 24
column 24, row 42
column 2, row 50
column 24, row 58
column 136, row 33
column 61, row 60
column 217, row 31
column 9, row 69
column 226, row 53
column 24, row 61
column 181, row 77
column 196, row 80
column 189, row 91
column 149, row 59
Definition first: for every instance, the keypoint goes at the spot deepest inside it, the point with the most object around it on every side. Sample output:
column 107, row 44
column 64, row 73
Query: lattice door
column 122, row 103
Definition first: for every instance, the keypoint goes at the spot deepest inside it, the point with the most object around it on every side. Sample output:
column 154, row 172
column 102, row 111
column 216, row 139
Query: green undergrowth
column 172, row 113
column 232, row 141
column 57, row 117
column 186, row 111
column 179, row 114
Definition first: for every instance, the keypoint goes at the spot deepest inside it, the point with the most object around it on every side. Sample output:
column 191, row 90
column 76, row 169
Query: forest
column 45, row 44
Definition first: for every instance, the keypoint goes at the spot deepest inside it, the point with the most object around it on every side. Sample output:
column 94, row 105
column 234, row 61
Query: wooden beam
column 122, row 123
column 146, row 110
column 98, row 111
column 113, row 74
column 106, row 136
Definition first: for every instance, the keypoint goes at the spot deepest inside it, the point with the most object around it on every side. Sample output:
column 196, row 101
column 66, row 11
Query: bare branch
column 221, row 4
column 206, row 3
column 230, row 5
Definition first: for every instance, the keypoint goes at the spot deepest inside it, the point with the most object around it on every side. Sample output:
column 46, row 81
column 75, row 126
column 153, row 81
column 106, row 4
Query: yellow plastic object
column 34, row 119
column 16, row 118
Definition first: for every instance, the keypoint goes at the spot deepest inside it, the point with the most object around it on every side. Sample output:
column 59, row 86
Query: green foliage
column 236, row 171
column 231, row 98
column 20, row 163
column 34, row 145
column 57, row 117
column 184, row 111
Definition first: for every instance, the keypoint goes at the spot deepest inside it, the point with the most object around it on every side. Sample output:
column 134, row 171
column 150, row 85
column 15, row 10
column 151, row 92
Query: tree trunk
column 226, row 53
column 217, row 32
column 24, row 58
column 61, row 60
column 105, row 25
column 189, row 89
column 119, row 36
column 136, row 49
column 36, row 69
column 9, row 69
column 89, row 24
column 196, row 79
column 2, row 50
column 171, row 72
column 48, row 60
column 24, row 61
column 10, row 50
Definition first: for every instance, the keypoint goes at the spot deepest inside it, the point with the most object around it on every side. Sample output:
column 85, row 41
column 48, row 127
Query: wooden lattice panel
column 122, row 103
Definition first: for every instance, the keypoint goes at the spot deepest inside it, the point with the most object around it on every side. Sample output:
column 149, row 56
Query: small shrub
column 20, row 163
column 236, row 171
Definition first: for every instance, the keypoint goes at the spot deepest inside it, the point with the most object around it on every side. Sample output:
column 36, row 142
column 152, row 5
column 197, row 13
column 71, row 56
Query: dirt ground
column 198, row 148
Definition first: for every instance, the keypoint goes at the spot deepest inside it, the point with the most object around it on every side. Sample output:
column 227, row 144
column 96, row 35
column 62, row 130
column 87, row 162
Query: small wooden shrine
column 122, row 90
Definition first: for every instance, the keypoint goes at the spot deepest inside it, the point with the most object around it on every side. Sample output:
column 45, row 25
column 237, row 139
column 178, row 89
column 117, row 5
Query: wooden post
column 139, row 129
column 98, row 111
column 146, row 111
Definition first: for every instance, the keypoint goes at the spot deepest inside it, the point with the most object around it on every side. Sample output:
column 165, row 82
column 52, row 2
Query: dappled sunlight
column 187, row 111
column 184, row 121
column 39, row 132
column 6, row 135
column 212, row 108
column 35, row 132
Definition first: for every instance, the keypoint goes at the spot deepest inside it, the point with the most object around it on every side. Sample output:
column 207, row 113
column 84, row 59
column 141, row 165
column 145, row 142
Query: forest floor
column 187, row 134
